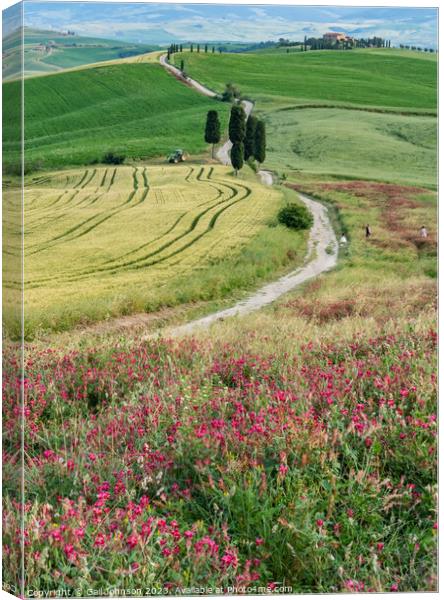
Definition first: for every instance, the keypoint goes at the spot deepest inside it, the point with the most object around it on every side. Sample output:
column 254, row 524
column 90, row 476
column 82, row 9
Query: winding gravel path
column 322, row 252
column 223, row 153
column 321, row 256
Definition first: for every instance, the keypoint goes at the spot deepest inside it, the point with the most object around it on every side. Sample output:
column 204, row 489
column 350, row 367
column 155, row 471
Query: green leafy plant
column 295, row 217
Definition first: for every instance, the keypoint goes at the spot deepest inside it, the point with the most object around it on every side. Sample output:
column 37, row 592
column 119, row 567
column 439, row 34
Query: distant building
column 333, row 36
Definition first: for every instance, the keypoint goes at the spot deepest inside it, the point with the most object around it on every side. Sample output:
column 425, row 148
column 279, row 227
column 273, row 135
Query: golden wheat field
column 125, row 232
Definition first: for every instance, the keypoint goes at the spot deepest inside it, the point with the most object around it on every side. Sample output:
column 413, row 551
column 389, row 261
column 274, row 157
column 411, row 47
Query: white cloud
column 240, row 23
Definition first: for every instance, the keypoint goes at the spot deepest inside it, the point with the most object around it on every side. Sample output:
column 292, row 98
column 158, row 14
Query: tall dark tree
column 180, row 48
column 250, row 131
column 236, row 126
column 191, row 48
column 206, row 48
column 198, row 47
column 212, row 129
column 213, row 50
column 182, row 66
column 237, row 156
column 260, row 142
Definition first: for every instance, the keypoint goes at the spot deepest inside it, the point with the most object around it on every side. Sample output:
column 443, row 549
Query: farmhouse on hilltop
column 332, row 36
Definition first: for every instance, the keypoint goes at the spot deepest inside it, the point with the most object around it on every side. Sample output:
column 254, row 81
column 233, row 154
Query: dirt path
column 187, row 80
column 322, row 250
column 223, row 153
column 266, row 177
column 321, row 256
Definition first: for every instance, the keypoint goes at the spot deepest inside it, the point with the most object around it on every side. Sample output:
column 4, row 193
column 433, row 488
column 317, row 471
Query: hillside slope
column 358, row 77
column 366, row 114
column 136, row 109
column 52, row 51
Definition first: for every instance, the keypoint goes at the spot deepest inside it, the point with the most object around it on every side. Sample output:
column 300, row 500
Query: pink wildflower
column 283, row 469
column 229, row 559
column 70, row 553
column 132, row 541
column 99, row 542
column 79, row 532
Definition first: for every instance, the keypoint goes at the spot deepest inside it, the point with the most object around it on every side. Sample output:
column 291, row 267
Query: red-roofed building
column 333, row 36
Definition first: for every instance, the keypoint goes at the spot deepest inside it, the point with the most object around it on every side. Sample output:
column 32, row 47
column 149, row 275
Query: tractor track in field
column 237, row 193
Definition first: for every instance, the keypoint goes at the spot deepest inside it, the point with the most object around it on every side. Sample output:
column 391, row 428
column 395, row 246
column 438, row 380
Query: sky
column 163, row 23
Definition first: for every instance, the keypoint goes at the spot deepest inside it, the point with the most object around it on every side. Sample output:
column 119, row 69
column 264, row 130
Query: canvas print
column 219, row 299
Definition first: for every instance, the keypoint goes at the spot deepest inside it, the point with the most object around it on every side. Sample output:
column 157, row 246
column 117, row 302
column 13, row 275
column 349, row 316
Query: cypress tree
column 213, row 50
column 206, row 48
column 182, row 66
column 180, row 48
column 259, row 142
column 236, row 126
column 212, row 129
column 198, row 47
column 191, row 48
column 250, row 137
column 237, row 156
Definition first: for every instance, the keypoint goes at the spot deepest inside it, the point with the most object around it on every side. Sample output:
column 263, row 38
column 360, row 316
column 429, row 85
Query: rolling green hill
column 136, row 109
column 366, row 113
column 51, row 51
column 359, row 77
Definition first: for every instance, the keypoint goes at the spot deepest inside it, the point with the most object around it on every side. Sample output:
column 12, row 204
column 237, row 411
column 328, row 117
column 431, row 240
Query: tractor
column 176, row 157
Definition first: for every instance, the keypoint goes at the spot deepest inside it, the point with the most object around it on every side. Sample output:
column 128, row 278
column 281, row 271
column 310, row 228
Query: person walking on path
column 423, row 232
column 343, row 240
column 368, row 231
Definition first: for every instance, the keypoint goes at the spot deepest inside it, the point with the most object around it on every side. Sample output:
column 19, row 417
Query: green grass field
column 360, row 77
column 136, row 109
column 121, row 240
column 353, row 143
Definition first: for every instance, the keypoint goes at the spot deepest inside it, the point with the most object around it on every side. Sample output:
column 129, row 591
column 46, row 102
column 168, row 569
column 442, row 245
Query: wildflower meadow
column 168, row 466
